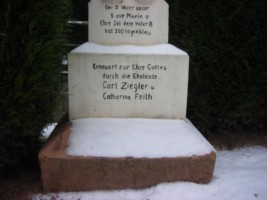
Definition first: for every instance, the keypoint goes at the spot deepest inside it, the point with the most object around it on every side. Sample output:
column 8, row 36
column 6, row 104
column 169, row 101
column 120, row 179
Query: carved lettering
column 135, row 82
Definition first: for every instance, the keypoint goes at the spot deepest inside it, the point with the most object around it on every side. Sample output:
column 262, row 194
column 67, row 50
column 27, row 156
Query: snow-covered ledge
column 137, row 138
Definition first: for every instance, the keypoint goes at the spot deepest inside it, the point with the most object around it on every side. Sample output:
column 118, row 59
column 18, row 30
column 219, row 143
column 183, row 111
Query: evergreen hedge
column 32, row 44
column 226, row 42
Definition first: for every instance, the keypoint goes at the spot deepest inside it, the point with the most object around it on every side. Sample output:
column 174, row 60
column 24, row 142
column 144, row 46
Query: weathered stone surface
column 139, row 22
column 62, row 172
column 128, row 82
column 125, row 82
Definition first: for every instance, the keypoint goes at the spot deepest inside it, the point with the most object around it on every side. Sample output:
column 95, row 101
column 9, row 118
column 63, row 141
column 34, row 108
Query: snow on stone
column 160, row 49
column 239, row 174
column 48, row 130
column 153, row 138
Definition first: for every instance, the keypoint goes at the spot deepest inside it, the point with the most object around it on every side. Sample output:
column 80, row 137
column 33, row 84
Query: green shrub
column 32, row 44
column 226, row 42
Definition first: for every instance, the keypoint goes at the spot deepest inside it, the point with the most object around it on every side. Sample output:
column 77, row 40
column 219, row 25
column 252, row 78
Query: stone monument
column 126, row 83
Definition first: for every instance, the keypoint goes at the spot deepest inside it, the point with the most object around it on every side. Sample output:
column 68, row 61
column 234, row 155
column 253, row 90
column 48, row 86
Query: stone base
column 62, row 172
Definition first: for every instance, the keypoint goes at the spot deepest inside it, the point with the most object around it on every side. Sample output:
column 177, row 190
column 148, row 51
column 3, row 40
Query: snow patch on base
column 138, row 138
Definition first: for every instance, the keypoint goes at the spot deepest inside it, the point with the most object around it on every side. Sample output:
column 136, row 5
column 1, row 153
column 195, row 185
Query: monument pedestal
column 129, row 75
column 99, row 163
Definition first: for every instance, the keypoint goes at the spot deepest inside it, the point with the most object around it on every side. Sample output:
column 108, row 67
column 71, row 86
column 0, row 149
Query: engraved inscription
column 129, row 82
column 127, row 20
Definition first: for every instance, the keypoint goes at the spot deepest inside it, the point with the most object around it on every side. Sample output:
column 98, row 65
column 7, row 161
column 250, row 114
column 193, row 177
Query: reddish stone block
column 62, row 172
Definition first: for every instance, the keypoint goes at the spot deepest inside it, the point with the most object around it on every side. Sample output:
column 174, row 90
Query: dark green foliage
column 32, row 44
column 79, row 33
column 226, row 42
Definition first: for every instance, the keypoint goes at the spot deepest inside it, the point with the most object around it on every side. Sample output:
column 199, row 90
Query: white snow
column 153, row 138
column 159, row 49
column 240, row 174
column 48, row 130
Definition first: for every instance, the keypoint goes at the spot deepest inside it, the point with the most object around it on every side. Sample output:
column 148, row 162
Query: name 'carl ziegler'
column 125, row 85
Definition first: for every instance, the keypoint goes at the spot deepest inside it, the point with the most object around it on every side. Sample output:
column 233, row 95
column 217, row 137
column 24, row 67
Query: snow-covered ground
column 240, row 174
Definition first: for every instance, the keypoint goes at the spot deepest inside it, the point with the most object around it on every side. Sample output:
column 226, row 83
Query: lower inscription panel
column 118, row 84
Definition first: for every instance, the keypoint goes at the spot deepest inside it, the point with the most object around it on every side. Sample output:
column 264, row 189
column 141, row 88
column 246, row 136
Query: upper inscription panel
column 135, row 22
